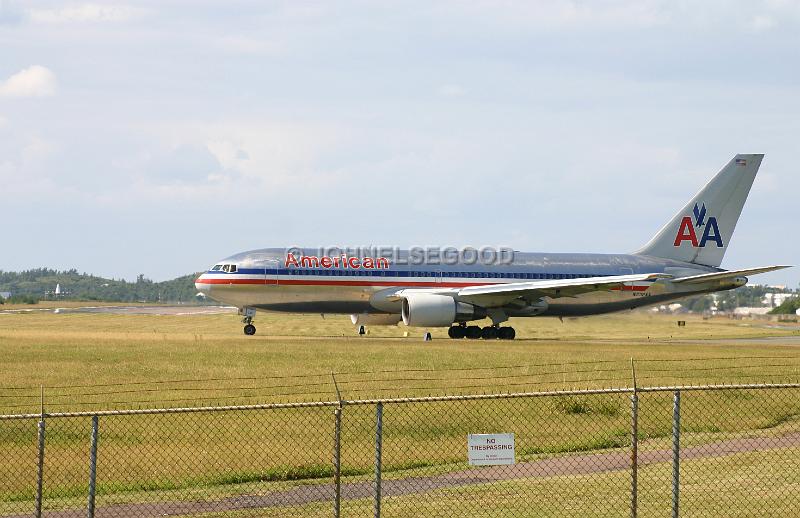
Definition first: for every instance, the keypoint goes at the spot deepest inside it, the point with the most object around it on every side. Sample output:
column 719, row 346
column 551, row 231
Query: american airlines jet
column 681, row 260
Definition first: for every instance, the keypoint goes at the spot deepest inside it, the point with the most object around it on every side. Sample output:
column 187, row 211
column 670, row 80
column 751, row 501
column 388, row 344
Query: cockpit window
column 227, row 268
column 216, row 267
column 233, row 268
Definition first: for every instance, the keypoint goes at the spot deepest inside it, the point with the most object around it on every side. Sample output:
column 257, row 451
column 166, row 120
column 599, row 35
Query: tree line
column 30, row 286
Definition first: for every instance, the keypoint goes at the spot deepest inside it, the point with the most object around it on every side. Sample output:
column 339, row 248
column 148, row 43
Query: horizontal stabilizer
column 716, row 276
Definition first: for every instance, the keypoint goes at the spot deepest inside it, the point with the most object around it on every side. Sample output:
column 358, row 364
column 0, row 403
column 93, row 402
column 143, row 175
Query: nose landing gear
column 249, row 313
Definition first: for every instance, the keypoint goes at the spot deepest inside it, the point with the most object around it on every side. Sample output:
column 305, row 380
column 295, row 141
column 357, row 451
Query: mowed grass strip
column 102, row 361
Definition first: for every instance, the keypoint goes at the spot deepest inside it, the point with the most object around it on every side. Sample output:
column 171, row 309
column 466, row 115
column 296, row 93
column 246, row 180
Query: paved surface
column 131, row 310
column 775, row 340
column 583, row 464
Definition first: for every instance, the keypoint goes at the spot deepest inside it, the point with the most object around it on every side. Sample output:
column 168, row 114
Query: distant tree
column 789, row 306
column 76, row 286
column 23, row 299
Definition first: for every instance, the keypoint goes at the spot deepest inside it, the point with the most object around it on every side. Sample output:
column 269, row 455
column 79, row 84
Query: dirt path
column 583, row 464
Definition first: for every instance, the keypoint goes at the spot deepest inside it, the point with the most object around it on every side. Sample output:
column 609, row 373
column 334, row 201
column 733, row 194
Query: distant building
column 56, row 293
column 776, row 299
column 743, row 312
column 671, row 308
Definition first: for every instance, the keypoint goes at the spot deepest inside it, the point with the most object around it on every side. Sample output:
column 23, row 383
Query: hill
column 40, row 284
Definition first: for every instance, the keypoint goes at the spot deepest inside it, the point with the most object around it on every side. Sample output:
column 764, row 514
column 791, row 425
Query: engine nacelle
column 376, row 319
column 431, row 310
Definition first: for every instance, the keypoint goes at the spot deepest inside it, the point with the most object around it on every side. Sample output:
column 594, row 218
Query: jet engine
column 431, row 310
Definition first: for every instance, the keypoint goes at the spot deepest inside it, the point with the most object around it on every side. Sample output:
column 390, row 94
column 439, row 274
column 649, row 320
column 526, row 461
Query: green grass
column 710, row 488
column 85, row 349
column 90, row 362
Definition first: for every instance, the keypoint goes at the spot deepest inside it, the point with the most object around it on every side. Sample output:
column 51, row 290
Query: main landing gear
column 249, row 313
column 487, row 333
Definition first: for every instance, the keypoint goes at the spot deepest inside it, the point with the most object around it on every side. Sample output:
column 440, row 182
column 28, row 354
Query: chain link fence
column 657, row 451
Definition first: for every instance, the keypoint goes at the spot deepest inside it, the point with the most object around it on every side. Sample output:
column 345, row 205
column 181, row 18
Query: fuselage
column 448, row 287
column 304, row 281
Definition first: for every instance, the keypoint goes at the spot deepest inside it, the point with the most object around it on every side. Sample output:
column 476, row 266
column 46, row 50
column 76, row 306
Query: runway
column 129, row 310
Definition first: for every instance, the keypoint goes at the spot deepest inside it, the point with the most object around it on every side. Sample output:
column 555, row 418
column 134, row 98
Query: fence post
column 40, row 468
column 337, row 463
column 676, row 452
column 634, row 453
column 92, row 467
column 378, row 454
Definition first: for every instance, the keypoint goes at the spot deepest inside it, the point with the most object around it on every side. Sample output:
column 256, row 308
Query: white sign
column 490, row 449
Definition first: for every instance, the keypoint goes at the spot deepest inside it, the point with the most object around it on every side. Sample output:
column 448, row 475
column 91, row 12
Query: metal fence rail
column 686, row 450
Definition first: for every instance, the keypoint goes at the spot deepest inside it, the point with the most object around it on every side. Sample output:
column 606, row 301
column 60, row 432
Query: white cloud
column 229, row 154
column 34, row 81
column 570, row 13
column 451, row 90
column 248, row 45
column 86, row 13
column 763, row 23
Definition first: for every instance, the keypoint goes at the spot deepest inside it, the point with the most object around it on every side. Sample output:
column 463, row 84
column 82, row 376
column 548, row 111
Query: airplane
column 681, row 260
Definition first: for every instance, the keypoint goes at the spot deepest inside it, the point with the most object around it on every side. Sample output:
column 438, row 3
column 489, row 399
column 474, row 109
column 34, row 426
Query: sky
column 159, row 137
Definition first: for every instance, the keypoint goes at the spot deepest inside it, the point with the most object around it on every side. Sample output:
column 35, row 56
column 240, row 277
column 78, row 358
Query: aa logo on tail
column 687, row 231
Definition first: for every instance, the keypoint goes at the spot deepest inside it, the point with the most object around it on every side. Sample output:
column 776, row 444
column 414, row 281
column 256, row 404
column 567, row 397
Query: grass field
column 292, row 357
column 89, row 361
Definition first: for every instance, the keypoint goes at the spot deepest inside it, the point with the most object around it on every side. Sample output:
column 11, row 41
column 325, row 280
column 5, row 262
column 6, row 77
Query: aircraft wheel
column 489, row 333
column 473, row 332
column 249, row 329
column 457, row 332
column 506, row 333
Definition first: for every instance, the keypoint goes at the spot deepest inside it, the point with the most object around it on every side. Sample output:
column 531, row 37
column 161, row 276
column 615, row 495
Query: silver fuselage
column 265, row 280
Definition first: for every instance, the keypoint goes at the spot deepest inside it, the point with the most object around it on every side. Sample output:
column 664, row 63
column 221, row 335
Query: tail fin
column 701, row 231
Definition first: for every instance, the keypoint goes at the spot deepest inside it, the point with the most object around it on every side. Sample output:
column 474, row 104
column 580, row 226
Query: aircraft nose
column 201, row 285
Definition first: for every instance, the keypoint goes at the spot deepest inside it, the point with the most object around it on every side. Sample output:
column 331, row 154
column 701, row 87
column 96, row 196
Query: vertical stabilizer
column 701, row 231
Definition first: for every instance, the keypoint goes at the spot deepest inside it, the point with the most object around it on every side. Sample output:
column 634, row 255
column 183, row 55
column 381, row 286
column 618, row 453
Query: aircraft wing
column 716, row 276
column 500, row 294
